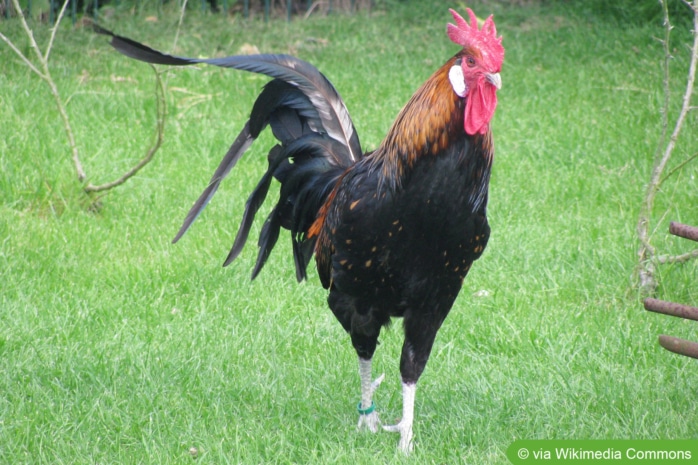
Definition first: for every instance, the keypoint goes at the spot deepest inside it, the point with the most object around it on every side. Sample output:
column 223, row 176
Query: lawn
column 118, row 347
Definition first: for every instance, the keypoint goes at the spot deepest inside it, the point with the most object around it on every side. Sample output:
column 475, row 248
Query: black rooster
column 394, row 231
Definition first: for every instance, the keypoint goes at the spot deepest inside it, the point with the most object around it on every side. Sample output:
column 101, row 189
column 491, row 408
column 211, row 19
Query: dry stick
column 647, row 252
column 54, row 30
column 45, row 75
column 678, row 167
column 678, row 258
column 687, row 232
column 21, row 55
column 179, row 25
column 685, row 108
column 161, row 110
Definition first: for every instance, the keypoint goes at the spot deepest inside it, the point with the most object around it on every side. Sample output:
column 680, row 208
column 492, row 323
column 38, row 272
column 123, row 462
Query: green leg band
column 366, row 411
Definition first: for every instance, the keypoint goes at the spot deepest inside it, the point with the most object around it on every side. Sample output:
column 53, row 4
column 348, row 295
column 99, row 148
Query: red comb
column 485, row 40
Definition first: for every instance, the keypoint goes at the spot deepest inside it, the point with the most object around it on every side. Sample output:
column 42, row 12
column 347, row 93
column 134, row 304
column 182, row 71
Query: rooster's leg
column 368, row 417
column 404, row 427
column 420, row 332
column 363, row 327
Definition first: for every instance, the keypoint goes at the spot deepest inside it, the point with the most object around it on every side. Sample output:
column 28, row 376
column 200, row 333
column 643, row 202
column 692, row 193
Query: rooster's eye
column 470, row 61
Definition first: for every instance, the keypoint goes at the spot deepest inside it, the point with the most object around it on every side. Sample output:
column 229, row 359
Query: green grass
column 118, row 347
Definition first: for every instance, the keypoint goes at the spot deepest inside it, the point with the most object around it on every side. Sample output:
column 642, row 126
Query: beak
column 495, row 79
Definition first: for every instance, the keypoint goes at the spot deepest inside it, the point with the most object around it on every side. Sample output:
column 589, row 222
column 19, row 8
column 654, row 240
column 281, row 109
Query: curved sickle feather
column 318, row 142
column 242, row 142
column 301, row 74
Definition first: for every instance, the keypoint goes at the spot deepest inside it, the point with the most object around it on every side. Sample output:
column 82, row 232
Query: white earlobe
column 455, row 75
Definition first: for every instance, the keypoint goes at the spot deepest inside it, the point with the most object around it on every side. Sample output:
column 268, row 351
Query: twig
column 45, row 75
column 678, row 258
column 54, row 29
column 665, row 149
column 311, row 9
column 179, row 25
column 679, row 166
column 686, row 104
column 161, row 110
column 42, row 70
column 21, row 55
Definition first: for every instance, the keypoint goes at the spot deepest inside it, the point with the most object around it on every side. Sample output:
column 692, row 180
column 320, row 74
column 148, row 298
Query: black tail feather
column 267, row 240
column 242, row 142
column 254, row 201
column 141, row 52
column 302, row 253
column 331, row 115
column 318, row 142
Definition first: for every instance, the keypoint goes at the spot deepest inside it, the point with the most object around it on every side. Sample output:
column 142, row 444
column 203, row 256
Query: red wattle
column 479, row 108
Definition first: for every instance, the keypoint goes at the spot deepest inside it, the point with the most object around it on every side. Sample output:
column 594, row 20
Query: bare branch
column 45, row 74
column 28, row 31
column 179, row 25
column 678, row 258
column 42, row 70
column 688, row 93
column 22, row 56
column 161, row 111
column 159, row 137
column 53, row 30
column 679, row 166
column 665, row 150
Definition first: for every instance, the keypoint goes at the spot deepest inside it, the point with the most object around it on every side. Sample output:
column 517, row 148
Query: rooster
column 394, row 231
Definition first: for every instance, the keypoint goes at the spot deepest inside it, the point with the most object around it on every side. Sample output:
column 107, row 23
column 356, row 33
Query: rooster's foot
column 405, row 430
column 405, row 425
column 368, row 420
